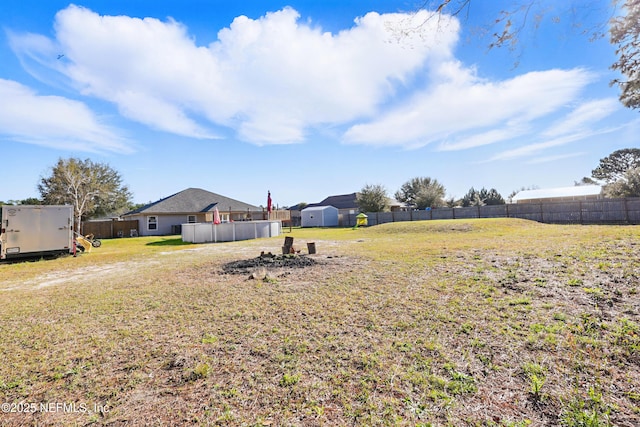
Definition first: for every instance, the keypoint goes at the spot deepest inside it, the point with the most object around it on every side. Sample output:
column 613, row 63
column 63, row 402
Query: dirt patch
column 86, row 274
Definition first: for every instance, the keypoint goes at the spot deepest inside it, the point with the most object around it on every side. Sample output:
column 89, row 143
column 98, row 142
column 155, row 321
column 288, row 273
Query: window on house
column 152, row 223
column 191, row 219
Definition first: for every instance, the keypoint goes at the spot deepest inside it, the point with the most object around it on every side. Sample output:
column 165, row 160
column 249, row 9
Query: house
column 342, row 202
column 189, row 206
column 560, row 194
column 396, row 206
column 346, row 204
column 319, row 216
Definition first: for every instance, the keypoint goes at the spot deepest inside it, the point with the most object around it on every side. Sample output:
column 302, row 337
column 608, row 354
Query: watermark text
column 53, row 407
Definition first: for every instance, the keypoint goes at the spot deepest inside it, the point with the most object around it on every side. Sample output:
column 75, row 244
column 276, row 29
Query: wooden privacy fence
column 603, row 211
column 110, row 229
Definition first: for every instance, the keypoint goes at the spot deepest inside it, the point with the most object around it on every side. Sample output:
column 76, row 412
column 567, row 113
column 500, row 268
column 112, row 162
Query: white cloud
column 555, row 158
column 585, row 115
column 391, row 79
column 158, row 113
column 54, row 121
column 531, row 149
column 578, row 125
column 459, row 105
column 270, row 79
column 484, row 138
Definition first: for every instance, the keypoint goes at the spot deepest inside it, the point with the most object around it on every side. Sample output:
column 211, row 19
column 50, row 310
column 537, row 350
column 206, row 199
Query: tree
column 27, row 201
column 422, row 193
column 627, row 186
column 451, row 202
column 472, row 198
column 30, row 201
column 624, row 31
column 136, row 206
column 615, row 165
column 514, row 192
column 482, row 197
column 92, row 188
column 492, row 197
column 585, row 181
column 372, row 198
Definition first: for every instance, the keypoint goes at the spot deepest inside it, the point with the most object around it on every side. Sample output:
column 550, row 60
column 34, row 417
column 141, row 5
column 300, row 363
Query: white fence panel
column 230, row 231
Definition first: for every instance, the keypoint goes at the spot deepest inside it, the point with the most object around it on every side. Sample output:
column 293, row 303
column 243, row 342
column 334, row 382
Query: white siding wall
column 230, row 231
column 164, row 223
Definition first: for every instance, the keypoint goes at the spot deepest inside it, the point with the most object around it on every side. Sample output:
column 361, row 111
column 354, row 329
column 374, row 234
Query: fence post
column 580, row 207
column 626, row 210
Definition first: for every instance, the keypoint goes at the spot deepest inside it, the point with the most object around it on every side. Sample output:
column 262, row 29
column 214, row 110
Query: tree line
column 96, row 189
column 618, row 174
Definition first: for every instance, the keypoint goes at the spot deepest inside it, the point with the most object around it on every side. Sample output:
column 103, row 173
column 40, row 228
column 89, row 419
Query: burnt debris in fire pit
column 268, row 261
column 289, row 259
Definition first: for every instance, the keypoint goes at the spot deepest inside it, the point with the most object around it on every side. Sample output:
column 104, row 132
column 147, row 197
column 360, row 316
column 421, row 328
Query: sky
column 305, row 99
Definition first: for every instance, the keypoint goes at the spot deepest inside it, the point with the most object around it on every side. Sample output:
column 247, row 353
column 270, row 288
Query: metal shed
column 319, row 216
column 560, row 194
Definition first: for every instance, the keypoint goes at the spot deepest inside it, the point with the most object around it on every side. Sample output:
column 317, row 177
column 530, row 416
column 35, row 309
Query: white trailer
column 28, row 231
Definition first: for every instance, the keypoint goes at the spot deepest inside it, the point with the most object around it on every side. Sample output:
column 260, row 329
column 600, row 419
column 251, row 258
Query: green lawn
column 495, row 322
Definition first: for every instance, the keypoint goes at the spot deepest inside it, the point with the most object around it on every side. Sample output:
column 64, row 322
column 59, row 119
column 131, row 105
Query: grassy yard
column 435, row 323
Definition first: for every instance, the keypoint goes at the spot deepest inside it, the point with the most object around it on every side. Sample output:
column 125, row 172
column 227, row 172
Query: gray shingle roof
column 343, row 201
column 193, row 200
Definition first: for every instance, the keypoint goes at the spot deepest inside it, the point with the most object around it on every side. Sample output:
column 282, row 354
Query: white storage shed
column 319, row 216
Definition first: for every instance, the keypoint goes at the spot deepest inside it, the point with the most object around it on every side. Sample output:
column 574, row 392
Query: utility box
column 319, row 216
column 28, row 231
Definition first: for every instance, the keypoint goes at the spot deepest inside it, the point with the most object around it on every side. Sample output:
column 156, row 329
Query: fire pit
column 268, row 261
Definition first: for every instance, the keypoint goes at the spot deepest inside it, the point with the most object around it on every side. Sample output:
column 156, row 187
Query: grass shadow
column 176, row 241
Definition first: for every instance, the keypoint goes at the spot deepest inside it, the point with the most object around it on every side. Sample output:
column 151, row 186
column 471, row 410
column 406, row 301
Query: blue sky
column 306, row 99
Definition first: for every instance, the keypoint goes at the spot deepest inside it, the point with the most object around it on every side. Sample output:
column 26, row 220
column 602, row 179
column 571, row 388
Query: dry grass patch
column 482, row 322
